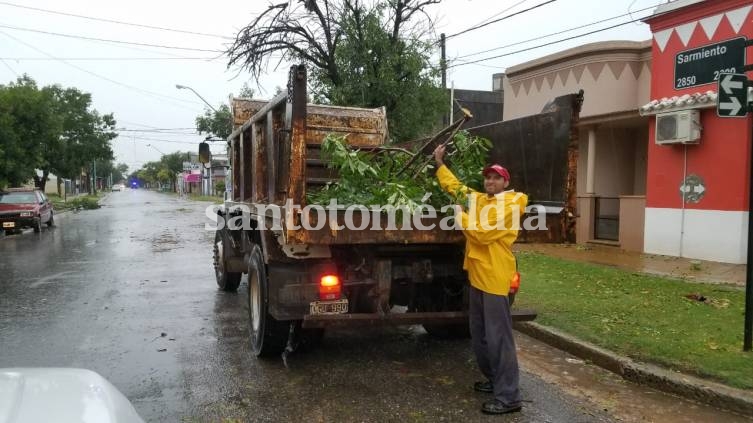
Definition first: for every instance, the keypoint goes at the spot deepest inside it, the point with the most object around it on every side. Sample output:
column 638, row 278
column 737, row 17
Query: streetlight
column 184, row 87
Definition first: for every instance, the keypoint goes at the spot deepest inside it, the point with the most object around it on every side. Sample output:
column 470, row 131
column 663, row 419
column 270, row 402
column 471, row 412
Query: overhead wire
column 543, row 45
column 105, row 58
column 132, row 137
column 556, row 33
column 56, row 12
column 474, row 28
column 162, row 97
column 154, row 129
column 500, row 12
column 82, row 37
column 13, row 71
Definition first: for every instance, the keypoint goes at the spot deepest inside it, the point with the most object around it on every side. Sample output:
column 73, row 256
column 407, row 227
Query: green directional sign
column 733, row 95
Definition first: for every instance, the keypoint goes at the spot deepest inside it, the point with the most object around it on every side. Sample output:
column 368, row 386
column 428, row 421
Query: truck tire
column 227, row 281
column 268, row 336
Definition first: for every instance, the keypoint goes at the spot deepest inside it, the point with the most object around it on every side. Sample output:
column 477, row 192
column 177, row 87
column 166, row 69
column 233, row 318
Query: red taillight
column 515, row 283
column 329, row 287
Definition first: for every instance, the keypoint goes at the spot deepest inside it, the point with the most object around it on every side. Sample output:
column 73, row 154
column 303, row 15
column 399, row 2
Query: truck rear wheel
column 227, row 281
column 268, row 335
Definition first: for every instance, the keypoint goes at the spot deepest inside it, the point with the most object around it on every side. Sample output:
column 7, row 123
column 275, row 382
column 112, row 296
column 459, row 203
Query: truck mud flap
column 373, row 319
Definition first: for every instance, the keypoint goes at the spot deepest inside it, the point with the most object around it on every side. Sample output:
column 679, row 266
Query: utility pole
column 443, row 69
column 443, row 59
column 94, row 186
column 733, row 102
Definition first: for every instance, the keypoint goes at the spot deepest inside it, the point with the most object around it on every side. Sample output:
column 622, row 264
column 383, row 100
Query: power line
column 501, row 12
column 9, row 68
column 545, row 44
column 82, row 37
column 106, row 58
column 141, row 90
column 154, row 129
column 556, row 33
column 55, row 12
column 131, row 137
column 473, row 28
column 126, row 132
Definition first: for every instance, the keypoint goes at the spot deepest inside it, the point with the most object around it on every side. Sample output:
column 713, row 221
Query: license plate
column 329, row 307
column 9, row 224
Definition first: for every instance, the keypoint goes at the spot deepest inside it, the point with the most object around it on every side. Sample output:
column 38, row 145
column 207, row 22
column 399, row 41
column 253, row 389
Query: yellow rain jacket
column 488, row 249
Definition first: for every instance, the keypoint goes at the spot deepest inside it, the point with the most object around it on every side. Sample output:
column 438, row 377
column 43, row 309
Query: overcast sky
column 142, row 94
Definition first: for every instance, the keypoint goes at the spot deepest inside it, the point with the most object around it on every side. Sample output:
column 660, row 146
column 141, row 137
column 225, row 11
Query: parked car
column 62, row 395
column 25, row 208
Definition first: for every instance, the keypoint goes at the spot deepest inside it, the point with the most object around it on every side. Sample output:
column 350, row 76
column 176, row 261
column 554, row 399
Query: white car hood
column 31, row 395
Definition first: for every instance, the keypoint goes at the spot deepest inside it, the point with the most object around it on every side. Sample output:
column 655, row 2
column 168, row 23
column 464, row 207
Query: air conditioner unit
column 682, row 127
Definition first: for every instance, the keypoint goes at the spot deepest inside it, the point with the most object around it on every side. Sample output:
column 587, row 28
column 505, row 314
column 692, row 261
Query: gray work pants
column 494, row 345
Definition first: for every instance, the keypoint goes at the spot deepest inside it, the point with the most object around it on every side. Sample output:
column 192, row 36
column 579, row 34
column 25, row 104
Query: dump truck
column 303, row 279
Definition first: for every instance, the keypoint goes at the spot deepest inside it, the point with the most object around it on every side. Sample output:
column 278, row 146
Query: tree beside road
column 359, row 55
column 53, row 129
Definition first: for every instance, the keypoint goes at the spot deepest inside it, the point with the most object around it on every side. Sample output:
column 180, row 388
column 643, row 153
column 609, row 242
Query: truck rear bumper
column 373, row 319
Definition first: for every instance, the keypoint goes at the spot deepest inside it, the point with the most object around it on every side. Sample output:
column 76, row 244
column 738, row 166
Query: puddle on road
column 166, row 241
column 625, row 400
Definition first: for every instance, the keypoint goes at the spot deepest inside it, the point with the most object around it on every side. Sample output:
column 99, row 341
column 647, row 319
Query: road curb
column 691, row 387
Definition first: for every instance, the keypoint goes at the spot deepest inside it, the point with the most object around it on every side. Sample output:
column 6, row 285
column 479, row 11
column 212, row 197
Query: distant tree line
column 54, row 130
column 164, row 171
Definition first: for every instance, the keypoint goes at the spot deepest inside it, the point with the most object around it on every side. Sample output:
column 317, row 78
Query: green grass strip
column 647, row 318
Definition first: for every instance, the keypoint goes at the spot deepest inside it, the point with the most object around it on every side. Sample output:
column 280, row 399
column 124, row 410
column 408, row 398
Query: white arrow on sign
column 733, row 107
column 728, row 85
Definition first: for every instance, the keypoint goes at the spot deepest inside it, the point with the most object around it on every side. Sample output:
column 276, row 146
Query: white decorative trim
column 685, row 102
column 662, row 38
column 737, row 17
column 711, row 24
column 686, row 31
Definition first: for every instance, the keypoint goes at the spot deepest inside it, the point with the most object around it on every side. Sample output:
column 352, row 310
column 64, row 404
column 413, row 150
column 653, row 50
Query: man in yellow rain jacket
column 490, row 226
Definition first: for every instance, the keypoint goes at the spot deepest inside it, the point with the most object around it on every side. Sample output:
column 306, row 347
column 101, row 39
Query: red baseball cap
column 499, row 170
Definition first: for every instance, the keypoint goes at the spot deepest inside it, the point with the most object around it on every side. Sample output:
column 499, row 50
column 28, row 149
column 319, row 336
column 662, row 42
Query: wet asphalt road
column 99, row 290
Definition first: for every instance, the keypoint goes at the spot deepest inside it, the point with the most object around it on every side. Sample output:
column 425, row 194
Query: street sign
column 692, row 189
column 733, row 95
column 191, row 166
column 704, row 65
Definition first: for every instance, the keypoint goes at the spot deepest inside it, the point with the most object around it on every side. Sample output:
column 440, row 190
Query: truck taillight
column 329, row 287
column 515, row 283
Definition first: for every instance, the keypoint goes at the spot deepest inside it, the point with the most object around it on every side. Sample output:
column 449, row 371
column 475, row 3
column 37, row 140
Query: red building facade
column 696, row 196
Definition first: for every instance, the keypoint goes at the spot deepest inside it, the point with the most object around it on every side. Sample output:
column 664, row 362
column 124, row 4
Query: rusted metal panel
column 243, row 109
column 373, row 319
column 568, row 217
column 329, row 234
column 363, row 127
column 244, row 164
column 259, row 165
column 248, row 164
column 271, row 148
column 297, row 175
column 541, row 153
column 236, row 169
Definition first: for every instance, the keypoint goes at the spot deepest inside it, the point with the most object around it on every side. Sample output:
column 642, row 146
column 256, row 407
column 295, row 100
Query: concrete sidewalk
column 675, row 267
